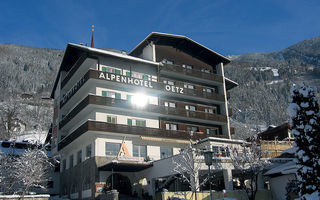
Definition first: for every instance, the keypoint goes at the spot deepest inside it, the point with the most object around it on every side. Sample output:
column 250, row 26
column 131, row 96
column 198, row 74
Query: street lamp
column 208, row 160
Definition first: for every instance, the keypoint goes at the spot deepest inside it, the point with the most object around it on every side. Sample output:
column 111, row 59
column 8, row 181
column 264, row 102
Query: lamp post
column 208, row 160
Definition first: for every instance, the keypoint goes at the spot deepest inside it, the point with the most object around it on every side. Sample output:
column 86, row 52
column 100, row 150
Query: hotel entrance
column 120, row 183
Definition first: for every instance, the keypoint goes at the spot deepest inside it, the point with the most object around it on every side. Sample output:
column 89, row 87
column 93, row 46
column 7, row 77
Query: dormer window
column 189, row 86
column 187, row 66
column 205, row 70
column 170, row 62
column 167, row 82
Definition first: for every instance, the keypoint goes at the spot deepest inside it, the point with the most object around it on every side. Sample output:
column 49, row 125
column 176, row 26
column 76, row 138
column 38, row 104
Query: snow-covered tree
column 33, row 169
column 250, row 162
column 24, row 170
column 187, row 165
column 305, row 119
column 7, row 168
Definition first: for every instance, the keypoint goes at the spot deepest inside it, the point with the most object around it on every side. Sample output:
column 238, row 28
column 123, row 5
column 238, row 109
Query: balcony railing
column 132, row 130
column 191, row 72
column 94, row 74
column 124, row 104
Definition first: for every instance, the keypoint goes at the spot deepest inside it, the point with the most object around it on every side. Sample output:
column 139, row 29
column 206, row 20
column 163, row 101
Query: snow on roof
column 287, row 168
column 113, row 53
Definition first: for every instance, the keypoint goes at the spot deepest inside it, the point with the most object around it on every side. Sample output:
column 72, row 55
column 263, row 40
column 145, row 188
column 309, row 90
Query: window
column 193, row 128
column 187, row 66
column 118, row 96
column 139, row 151
column 173, row 127
column 111, row 70
column 112, row 149
column 129, row 97
column 221, row 151
column 141, row 123
column 88, row 151
column 129, row 122
column 165, row 152
column 112, row 119
column 210, row 110
column 118, row 71
column 212, row 131
column 104, row 93
column 208, row 90
column 170, row 62
column 189, row 86
column 128, row 74
column 136, row 122
column 168, row 82
column 191, row 108
column 108, row 94
column 104, row 69
column 145, row 77
column 169, row 104
column 137, row 75
column 71, row 161
column 205, row 70
column 79, row 156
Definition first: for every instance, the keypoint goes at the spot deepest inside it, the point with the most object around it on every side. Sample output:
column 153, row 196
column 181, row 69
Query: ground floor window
column 140, row 151
column 165, row 152
column 112, row 149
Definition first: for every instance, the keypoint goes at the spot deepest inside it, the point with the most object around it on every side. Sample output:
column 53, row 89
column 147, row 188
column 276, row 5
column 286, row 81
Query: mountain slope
column 265, row 80
column 27, row 69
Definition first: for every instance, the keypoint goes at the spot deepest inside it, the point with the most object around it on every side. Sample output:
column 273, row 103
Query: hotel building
column 117, row 114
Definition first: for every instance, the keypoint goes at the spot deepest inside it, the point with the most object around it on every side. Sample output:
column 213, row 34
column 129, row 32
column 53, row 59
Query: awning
column 125, row 166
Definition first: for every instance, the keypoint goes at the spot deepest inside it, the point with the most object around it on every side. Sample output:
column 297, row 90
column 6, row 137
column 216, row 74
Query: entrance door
column 120, row 183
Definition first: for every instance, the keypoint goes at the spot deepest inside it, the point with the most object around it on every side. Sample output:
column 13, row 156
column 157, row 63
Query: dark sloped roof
column 184, row 44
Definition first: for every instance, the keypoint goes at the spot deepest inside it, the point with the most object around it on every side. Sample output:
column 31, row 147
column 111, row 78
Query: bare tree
column 24, row 170
column 7, row 168
column 32, row 169
column 248, row 160
column 187, row 165
column 9, row 110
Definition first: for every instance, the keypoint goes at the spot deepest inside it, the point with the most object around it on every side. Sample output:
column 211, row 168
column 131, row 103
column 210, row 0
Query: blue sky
column 225, row 26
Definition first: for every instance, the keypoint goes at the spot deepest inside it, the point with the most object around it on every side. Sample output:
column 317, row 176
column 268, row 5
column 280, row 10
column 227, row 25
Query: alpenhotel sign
column 125, row 79
column 136, row 81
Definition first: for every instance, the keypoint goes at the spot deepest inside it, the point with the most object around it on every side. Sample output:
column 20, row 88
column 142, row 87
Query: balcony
column 155, row 110
column 132, row 130
column 204, row 77
column 157, row 88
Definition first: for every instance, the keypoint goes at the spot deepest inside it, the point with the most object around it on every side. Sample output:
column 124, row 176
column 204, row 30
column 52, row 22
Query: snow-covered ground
column 32, row 137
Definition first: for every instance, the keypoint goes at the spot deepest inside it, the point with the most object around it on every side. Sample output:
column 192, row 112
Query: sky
column 228, row 27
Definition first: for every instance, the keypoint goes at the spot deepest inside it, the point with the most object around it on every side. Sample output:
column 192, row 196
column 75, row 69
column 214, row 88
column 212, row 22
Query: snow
column 274, row 82
column 275, row 72
column 34, row 137
column 287, row 168
column 25, row 196
column 304, row 104
column 291, row 150
column 313, row 196
column 292, row 109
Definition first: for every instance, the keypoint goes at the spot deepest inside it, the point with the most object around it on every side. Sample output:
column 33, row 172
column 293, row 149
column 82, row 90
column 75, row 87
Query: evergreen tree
column 305, row 119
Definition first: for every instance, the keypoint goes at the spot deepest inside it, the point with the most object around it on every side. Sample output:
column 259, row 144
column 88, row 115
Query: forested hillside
column 265, row 80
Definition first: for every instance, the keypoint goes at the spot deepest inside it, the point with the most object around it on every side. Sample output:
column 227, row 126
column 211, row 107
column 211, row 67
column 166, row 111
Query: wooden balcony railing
column 124, row 104
column 94, row 74
column 191, row 72
column 133, row 130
